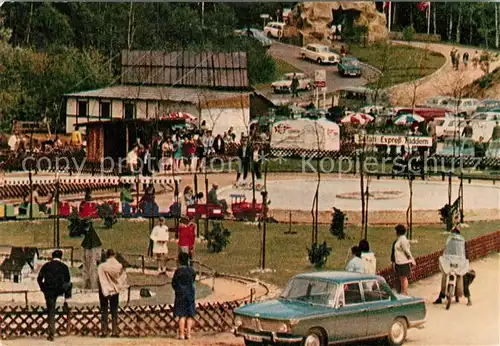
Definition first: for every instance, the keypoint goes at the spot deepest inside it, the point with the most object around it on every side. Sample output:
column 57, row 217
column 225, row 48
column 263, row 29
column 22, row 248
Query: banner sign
column 394, row 140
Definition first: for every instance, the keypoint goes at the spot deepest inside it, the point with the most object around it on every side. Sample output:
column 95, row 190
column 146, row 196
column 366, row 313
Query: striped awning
column 9, row 181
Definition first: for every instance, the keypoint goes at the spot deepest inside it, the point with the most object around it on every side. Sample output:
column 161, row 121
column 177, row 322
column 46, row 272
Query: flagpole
column 429, row 18
column 390, row 16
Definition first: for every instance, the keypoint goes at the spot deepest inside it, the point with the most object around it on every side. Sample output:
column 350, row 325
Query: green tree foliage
column 32, row 83
column 217, row 238
column 318, row 254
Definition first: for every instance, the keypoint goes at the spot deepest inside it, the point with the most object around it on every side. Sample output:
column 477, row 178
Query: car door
column 351, row 319
column 379, row 307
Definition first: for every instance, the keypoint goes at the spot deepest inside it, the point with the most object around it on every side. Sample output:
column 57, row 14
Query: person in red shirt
column 187, row 236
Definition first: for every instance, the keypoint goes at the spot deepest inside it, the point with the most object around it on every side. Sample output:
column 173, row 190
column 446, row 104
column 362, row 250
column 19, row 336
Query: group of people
column 181, row 149
column 477, row 60
column 54, row 280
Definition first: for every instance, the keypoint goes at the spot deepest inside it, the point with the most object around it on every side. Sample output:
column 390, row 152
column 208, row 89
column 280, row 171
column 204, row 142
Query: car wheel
column 315, row 337
column 269, row 34
column 397, row 332
column 319, row 61
column 303, row 56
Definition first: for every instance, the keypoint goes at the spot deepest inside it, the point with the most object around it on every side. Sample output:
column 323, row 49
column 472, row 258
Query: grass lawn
column 398, row 63
column 286, row 254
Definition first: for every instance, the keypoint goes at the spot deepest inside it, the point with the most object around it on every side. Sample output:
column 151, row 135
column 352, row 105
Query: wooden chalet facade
column 213, row 87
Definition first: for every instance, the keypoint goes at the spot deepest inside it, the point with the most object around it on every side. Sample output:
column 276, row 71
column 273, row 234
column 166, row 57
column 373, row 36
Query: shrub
column 447, row 214
column 107, row 213
column 77, row 226
column 318, row 35
column 217, row 238
column 408, row 33
column 337, row 225
column 318, row 254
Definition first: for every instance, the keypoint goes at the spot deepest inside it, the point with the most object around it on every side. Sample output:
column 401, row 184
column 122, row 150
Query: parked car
column 349, row 66
column 285, row 83
column 255, row 34
column 489, row 106
column 274, row 29
column 320, row 53
column 438, row 101
column 464, row 107
column 330, row 307
column 425, row 112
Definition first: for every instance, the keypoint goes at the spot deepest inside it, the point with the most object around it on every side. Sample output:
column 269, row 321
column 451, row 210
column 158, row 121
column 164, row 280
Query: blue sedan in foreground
column 322, row 308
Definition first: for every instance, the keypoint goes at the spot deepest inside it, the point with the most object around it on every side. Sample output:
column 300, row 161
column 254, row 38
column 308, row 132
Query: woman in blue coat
column 184, row 303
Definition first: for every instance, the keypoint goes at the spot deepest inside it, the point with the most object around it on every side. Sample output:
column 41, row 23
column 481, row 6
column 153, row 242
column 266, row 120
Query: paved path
column 461, row 325
column 444, row 82
column 291, row 55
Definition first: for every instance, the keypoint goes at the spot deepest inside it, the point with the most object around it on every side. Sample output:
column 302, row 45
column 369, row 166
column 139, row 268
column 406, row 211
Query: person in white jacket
column 368, row 257
column 403, row 259
column 112, row 278
column 159, row 236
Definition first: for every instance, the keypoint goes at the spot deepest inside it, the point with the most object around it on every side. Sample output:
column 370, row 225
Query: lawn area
column 286, row 254
column 398, row 63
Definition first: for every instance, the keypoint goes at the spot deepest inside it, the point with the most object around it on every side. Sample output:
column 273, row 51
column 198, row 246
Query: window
column 352, row 294
column 83, row 107
column 374, row 291
column 311, row 291
column 129, row 110
column 105, row 109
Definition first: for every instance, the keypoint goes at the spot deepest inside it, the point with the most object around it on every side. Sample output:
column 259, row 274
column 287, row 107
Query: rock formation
column 312, row 19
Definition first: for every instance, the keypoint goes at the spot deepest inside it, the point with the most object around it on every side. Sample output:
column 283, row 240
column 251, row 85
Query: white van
column 274, row 29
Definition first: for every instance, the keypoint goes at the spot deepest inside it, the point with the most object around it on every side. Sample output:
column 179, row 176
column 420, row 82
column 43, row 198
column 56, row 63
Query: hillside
column 488, row 87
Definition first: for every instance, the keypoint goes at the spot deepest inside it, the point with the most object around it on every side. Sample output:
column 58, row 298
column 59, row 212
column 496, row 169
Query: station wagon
column 321, row 308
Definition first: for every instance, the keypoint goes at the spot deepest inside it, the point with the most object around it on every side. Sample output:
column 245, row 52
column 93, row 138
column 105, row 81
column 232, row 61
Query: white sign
column 306, row 134
column 320, row 78
column 394, row 140
column 264, row 16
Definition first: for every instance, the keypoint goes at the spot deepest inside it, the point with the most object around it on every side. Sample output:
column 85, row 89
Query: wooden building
column 213, row 87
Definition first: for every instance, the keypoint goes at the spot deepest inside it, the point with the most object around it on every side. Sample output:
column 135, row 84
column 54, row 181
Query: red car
column 211, row 211
column 425, row 112
column 243, row 210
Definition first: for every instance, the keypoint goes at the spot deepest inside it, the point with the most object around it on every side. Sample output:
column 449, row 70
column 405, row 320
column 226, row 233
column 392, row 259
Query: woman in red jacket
column 187, row 236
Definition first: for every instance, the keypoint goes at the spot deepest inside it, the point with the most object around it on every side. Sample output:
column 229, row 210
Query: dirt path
column 461, row 325
column 444, row 82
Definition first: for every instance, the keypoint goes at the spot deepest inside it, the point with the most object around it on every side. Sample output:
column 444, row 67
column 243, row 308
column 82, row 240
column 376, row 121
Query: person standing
column 453, row 57
column 112, row 278
column 187, row 236
column 465, row 59
column 184, row 302
column 159, row 237
column 356, row 264
column 295, row 86
column 495, row 134
column 403, row 259
column 368, row 257
column 244, row 155
column 54, row 280
column 468, row 130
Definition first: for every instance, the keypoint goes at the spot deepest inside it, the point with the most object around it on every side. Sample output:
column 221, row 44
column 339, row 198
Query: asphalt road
column 291, row 54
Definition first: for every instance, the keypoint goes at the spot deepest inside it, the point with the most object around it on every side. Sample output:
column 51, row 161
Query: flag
column 422, row 6
column 387, row 4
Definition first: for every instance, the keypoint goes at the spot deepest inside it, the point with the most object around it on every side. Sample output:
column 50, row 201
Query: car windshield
column 289, row 76
column 353, row 62
column 310, row 291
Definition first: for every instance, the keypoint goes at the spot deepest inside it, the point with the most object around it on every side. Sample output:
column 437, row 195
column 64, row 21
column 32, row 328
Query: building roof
column 337, row 276
column 205, row 69
column 158, row 93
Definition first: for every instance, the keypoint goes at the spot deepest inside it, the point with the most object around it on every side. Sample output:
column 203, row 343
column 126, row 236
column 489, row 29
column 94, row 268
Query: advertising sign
column 320, row 78
column 306, row 134
column 394, row 140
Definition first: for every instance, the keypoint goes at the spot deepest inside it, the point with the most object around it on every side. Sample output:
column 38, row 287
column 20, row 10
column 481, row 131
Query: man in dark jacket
column 245, row 153
column 54, row 281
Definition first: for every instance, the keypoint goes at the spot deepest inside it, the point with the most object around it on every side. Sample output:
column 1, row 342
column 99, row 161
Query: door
column 351, row 319
column 378, row 305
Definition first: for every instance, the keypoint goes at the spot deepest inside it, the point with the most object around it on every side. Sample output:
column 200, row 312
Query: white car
column 274, row 29
column 482, row 126
column 463, row 106
column 285, row 83
column 320, row 53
